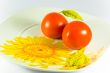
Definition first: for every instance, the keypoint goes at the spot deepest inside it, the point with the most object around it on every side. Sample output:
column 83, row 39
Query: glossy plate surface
column 27, row 23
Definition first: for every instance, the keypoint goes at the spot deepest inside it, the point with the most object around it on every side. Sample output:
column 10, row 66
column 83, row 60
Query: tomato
column 53, row 24
column 76, row 35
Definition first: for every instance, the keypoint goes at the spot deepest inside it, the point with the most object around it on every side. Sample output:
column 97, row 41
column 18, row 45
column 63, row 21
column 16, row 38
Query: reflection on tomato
column 53, row 25
column 76, row 35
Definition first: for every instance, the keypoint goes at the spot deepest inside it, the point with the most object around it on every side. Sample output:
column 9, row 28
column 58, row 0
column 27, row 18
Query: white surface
column 96, row 7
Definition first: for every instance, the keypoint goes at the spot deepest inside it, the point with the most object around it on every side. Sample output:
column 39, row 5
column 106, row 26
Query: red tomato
column 76, row 35
column 53, row 25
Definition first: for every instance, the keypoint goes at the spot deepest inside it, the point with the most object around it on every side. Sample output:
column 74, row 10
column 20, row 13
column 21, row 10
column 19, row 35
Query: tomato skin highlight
column 76, row 35
column 53, row 24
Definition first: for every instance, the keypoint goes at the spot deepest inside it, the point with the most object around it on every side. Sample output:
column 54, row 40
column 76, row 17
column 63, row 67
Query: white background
column 100, row 8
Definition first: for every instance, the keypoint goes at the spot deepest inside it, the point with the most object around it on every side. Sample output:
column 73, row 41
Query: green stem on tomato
column 72, row 14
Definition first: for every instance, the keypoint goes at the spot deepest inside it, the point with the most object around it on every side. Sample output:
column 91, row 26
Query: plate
column 27, row 23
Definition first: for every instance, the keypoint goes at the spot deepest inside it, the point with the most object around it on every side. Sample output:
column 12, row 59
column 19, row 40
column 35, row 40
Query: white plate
column 16, row 25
